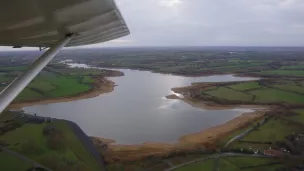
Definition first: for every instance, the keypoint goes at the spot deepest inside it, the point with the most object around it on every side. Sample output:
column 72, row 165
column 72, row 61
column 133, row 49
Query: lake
column 137, row 110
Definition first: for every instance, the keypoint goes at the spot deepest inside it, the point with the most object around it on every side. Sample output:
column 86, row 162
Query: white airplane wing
column 41, row 23
column 54, row 24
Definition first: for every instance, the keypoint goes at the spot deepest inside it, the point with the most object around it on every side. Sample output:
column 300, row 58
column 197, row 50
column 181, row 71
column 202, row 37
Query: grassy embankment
column 58, row 150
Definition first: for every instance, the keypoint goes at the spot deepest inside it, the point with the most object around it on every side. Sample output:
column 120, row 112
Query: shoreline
column 209, row 105
column 205, row 138
column 101, row 86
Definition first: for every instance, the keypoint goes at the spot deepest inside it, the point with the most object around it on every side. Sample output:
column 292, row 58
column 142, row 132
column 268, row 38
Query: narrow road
column 243, row 134
column 35, row 164
column 169, row 163
column 238, row 137
column 217, row 156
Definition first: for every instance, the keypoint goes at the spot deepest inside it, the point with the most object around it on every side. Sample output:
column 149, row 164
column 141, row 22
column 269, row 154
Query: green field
column 76, row 146
column 125, row 167
column 265, row 95
column 116, row 167
column 28, row 94
column 56, row 154
column 146, row 164
column 13, row 68
column 291, row 88
column 267, row 168
column 12, row 163
column 204, row 166
column 249, row 161
column 297, row 118
column 262, row 94
column 66, row 86
column 42, row 86
column 227, row 166
column 53, row 82
column 254, row 164
column 55, row 86
column 245, row 86
column 229, row 94
column 274, row 130
column 87, row 80
column 299, row 66
column 296, row 73
column 277, row 91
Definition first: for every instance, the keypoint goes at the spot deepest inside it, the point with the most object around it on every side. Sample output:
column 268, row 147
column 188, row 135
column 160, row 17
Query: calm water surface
column 137, row 110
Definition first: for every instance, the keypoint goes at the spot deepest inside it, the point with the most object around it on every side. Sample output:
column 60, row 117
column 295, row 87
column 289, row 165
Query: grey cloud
column 212, row 22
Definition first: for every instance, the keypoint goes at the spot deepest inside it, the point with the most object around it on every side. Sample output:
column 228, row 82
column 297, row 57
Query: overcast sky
column 212, row 23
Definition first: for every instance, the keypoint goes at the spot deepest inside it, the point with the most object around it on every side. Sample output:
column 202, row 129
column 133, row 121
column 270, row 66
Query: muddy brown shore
column 200, row 139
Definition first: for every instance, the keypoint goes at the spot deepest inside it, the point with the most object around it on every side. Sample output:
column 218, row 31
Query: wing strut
column 15, row 88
